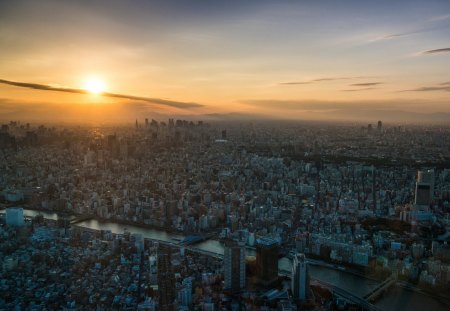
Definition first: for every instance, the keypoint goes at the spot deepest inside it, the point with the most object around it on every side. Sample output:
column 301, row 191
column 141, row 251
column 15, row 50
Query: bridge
column 365, row 305
column 380, row 289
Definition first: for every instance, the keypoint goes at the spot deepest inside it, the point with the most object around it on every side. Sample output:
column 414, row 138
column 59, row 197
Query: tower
column 267, row 261
column 234, row 266
column 300, row 277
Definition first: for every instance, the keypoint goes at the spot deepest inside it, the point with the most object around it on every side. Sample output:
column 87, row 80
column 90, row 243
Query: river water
column 397, row 298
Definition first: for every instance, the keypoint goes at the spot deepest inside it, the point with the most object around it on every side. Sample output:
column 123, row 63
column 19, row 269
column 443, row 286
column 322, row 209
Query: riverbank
column 105, row 220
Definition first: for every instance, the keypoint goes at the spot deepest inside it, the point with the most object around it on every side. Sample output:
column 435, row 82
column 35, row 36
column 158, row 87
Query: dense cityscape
column 214, row 215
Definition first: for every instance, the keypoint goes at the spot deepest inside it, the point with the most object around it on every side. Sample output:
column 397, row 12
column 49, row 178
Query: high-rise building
column 166, row 281
column 427, row 177
column 234, row 266
column 14, row 216
column 424, row 189
column 379, row 126
column 267, row 260
column 185, row 293
column 300, row 277
column 422, row 194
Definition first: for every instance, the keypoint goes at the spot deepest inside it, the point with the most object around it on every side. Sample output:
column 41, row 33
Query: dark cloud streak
column 361, row 89
column 159, row 101
column 436, row 51
column 412, row 32
column 366, row 84
column 429, row 89
column 326, row 79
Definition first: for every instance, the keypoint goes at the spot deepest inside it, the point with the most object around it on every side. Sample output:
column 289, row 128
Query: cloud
column 413, row 32
column 386, row 110
column 325, row 79
column 360, row 89
column 295, row 83
column 158, row 101
column 440, row 18
column 399, row 35
column 429, row 89
column 366, row 84
column 436, row 51
column 306, row 105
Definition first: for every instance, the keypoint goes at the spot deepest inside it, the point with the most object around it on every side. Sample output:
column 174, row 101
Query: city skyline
column 264, row 155
column 356, row 61
column 183, row 215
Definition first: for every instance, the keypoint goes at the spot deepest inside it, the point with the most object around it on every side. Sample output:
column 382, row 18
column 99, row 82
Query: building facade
column 267, row 261
column 300, row 277
column 166, row 281
column 234, row 266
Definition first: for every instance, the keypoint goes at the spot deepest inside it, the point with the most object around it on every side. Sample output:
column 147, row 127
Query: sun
column 94, row 85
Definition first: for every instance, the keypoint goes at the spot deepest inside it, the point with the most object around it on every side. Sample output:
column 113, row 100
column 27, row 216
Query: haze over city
column 308, row 60
column 263, row 155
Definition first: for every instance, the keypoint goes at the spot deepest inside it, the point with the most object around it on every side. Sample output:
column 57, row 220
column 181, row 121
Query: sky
column 304, row 59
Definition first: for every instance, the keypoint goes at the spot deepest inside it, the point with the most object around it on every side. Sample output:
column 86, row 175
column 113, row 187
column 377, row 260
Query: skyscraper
column 166, row 281
column 267, row 260
column 422, row 194
column 427, row 176
column 234, row 266
column 379, row 126
column 424, row 191
column 300, row 277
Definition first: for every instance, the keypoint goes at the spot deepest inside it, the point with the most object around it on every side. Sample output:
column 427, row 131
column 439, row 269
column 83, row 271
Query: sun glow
column 94, row 86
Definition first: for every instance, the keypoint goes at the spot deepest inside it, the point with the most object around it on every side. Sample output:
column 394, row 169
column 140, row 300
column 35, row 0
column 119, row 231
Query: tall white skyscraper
column 234, row 266
column 300, row 277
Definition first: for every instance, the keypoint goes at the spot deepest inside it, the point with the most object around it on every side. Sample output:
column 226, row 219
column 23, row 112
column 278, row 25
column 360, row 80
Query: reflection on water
column 118, row 228
column 349, row 282
column 33, row 213
column 403, row 299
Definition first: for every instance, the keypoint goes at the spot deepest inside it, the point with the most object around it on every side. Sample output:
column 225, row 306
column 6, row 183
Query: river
column 397, row 298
